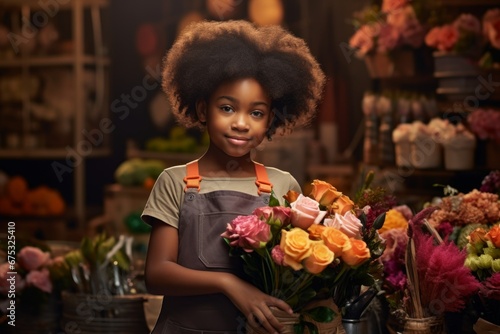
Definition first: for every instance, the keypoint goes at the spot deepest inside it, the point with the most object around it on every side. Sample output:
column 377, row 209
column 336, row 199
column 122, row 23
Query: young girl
column 242, row 84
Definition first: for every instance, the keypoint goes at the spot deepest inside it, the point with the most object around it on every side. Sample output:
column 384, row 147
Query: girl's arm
column 165, row 277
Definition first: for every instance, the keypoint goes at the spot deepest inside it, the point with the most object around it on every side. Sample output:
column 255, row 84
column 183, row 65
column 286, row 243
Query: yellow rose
column 342, row 205
column 493, row 235
column 296, row 246
column 335, row 240
column 393, row 219
column 356, row 254
column 321, row 256
column 324, row 193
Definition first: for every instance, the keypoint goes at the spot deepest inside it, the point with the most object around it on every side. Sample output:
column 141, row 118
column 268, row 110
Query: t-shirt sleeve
column 164, row 200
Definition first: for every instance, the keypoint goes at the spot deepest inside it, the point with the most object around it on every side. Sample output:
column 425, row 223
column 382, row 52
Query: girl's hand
column 254, row 304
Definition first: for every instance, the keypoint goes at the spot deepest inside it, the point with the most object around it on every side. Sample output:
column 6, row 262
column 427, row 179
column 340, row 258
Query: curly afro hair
column 210, row 53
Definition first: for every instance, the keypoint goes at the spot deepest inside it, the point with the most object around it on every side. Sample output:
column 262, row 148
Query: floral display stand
column 395, row 64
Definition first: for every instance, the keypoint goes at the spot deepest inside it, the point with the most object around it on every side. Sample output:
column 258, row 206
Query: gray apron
column 202, row 220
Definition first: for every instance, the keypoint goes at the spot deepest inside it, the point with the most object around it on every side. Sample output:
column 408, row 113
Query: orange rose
column 342, row 205
column 493, row 235
column 335, row 240
column 296, row 245
column 315, row 231
column 324, row 193
column 356, row 254
column 321, row 256
column 291, row 196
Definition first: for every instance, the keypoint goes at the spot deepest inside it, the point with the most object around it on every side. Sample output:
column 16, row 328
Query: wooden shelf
column 59, row 60
column 47, row 153
column 62, row 4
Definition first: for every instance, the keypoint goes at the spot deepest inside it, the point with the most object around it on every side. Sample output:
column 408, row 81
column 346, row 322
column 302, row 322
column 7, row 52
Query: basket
column 103, row 313
column 429, row 325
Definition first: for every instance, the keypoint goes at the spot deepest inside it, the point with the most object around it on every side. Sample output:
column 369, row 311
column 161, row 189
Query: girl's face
column 237, row 116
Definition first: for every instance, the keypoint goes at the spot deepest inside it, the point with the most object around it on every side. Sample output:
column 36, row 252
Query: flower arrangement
column 30, row 283
column 314, row 248
column 463, row 35
column 424, row 276
column 491, row 183
column 485, row 123
column 396, row 24
column 483, row 259
column 458, row 214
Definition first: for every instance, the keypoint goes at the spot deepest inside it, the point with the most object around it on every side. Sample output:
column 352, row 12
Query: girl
column 242, row 84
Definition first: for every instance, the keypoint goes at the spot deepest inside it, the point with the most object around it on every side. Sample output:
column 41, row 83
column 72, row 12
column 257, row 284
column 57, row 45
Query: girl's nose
column 240, row 122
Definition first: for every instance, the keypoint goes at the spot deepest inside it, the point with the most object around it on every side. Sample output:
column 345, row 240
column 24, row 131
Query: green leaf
column 321, row 314
column 273, row 201
column 379, row 221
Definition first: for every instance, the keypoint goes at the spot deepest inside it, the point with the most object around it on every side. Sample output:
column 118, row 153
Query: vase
column 396, row 64
column 428, row 325
column 290, row 320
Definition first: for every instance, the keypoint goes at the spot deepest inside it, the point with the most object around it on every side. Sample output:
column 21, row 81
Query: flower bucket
column 402, row 153
column 103, row 313
column 396, row 64
column 457, row 74
column 459, row 158
column 423, row 156
column 289, row 320
column 429, row 325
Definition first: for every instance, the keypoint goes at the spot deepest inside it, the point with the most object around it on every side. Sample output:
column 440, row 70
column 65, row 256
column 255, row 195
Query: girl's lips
column 237, row 141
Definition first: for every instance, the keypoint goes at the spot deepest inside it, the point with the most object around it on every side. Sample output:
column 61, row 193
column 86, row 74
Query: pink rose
column 448, row 37
column 247, row 232
column 272, row 214
column 488, row 17
column 348, row 223
column 278, row 255
column 413, row 33
column 5, row 284
column 40, row 279
column 388, row 38
column 31, row 258
column 305, row 212
column 468, row 23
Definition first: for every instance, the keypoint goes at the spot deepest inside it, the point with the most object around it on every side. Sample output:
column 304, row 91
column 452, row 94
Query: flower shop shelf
column 54, row 95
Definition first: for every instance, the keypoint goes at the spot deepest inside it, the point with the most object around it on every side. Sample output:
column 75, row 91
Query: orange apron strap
column 262, row 182
column 193, row 178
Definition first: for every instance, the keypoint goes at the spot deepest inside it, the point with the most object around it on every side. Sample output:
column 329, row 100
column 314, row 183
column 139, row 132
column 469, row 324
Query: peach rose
column 448, row 37
column 296, row 246
column 477, row 237
column 324, row 193
column 31, row 258
column 493, row 33
column 432, row 37
column 321, row 256
column 291, row 196
column 356, row 254
column 343, row 205
column 335, row 240
column 305, row 212
column 493, row 235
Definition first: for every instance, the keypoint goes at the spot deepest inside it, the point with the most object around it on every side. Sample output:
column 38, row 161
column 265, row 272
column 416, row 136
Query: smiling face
column 237, row 116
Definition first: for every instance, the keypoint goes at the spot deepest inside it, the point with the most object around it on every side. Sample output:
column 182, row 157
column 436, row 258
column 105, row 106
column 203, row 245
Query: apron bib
column 202, row 220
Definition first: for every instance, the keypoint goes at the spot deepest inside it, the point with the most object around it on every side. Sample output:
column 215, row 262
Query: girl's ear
column 201, row 111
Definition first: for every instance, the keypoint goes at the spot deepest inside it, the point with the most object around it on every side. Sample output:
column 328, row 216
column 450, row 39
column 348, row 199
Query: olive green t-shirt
column 167, row 195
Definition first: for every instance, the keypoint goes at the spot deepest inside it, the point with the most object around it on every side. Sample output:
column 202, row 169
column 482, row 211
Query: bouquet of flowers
column 313, row 248
column 396, row 24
